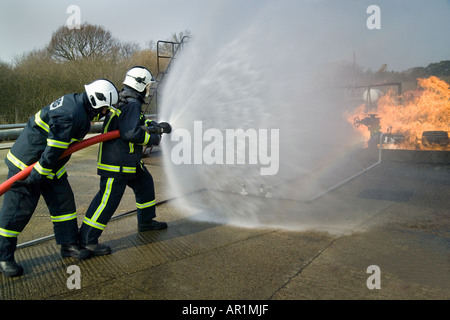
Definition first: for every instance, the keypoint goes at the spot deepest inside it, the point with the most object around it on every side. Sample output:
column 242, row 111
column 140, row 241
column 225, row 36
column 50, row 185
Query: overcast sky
column 413, row 32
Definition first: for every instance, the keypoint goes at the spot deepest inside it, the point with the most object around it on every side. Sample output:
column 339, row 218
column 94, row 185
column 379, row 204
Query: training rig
column 165, row 55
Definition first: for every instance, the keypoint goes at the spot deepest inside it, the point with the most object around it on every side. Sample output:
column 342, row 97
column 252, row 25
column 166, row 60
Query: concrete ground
column 404, row 232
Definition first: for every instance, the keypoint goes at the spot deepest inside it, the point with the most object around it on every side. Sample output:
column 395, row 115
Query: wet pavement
column 403, row 214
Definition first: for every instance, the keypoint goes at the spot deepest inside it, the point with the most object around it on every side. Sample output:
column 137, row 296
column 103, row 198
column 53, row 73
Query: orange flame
column 425, row 110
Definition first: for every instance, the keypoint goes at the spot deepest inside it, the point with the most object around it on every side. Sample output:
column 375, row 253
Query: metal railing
column 10, row 132
column 165, row 50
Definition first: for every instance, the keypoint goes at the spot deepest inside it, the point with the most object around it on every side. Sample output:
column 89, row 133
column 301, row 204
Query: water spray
column 256, row 77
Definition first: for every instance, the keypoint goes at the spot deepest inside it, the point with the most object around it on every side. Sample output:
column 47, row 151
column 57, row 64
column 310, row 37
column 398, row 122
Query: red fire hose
column 5, row 186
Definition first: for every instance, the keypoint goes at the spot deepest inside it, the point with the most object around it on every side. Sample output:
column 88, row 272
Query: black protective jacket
column 120, row 157
column 49, row 133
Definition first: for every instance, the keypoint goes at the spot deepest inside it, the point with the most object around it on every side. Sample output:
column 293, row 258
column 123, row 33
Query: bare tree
column 167, row 48
column 90, row 41
column 127, row 49
column 177, row 37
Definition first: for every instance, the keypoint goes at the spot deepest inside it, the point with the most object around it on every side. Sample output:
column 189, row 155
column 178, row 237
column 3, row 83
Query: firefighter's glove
column 152, row 127
column 166, row 128
column 149, row 122
column 155, row 127
column 155, row 139
column 34, row 178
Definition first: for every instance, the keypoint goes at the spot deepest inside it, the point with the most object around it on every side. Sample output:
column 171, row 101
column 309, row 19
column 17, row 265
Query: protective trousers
column 19, row 205
column 108, row 199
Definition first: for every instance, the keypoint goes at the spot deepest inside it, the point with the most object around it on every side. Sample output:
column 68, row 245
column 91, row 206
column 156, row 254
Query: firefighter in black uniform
column 43, row 141
column 119, row 163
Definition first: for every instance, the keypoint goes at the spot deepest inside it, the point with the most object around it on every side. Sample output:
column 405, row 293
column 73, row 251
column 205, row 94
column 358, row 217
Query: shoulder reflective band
column 57, row 144
column 115, row 111
column 40, row 123
column 8, row 233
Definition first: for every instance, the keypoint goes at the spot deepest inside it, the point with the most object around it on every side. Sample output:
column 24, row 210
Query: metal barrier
column 163, row 54
column 10, row 132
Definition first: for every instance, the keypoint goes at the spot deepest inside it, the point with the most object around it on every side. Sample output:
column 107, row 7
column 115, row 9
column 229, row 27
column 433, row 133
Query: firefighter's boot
column 74, row 250
column 11, row 268
column 152, row 225
column 97, row 249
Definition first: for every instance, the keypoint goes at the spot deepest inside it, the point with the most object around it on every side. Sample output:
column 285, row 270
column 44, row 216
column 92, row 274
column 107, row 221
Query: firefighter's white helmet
column 138, row 78
column 102, row 93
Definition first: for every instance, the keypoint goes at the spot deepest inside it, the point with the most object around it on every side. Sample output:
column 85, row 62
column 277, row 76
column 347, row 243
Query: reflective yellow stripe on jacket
column 46, row 172
column 108, row 167
column 147, row 139
column 43, row 171
column 40, row 123
column 58, row 173
column 8, row 233
column 57, row 144
column 19, row 164
column 118, row 169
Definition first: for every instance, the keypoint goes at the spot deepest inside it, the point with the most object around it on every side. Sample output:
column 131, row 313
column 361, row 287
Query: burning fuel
column 420, row 122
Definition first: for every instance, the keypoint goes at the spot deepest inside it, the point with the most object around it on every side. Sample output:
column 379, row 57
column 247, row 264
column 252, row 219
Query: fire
column 425, row 109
